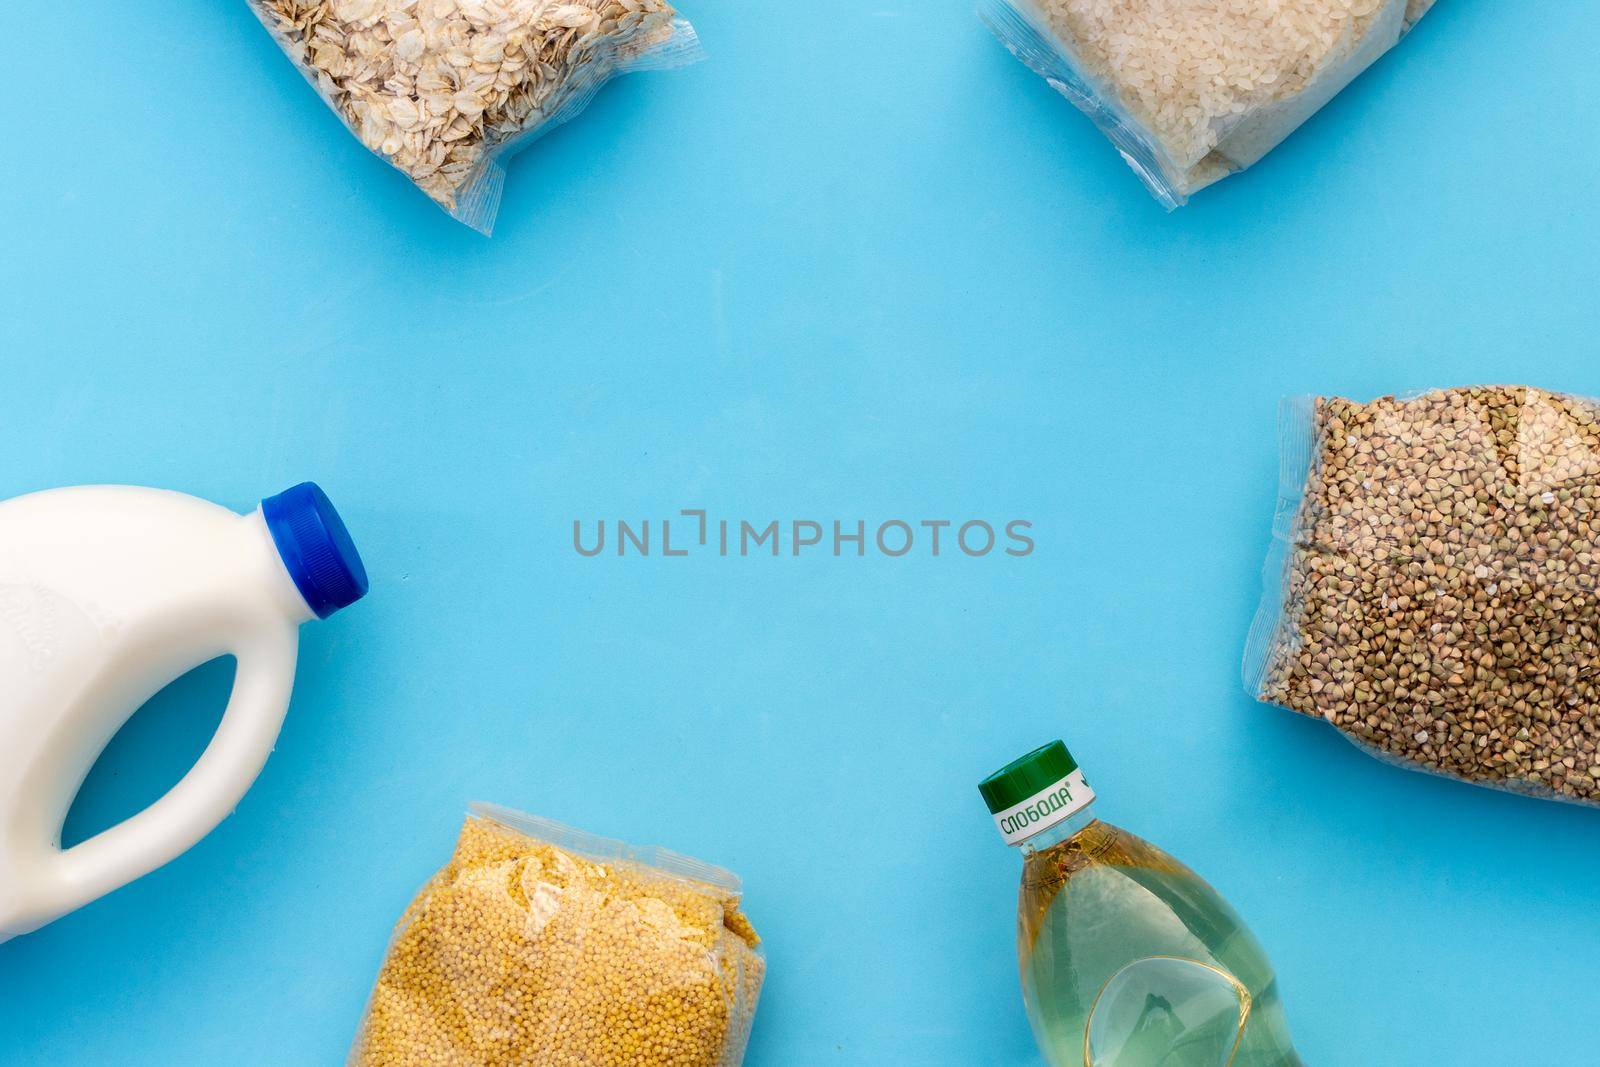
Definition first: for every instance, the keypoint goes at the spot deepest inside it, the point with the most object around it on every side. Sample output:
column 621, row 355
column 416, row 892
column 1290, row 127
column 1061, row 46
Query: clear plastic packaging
column 447, row 90
column 1432, row 585
column 1191, row 91
column 542, row 945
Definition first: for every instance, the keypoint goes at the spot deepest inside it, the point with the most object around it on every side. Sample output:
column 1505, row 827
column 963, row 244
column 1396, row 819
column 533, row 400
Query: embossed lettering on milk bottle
column 107, row 594
column 41, row 633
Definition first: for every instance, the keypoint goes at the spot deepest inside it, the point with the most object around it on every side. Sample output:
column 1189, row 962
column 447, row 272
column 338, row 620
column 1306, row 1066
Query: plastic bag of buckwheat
column 1433, row 590
column 447, row 90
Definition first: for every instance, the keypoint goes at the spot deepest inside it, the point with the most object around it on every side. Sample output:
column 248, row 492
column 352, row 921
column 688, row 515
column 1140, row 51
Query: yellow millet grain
column 521, row 952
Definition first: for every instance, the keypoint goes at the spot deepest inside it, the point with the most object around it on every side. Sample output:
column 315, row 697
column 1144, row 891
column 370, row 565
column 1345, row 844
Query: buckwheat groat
column 1439, row 599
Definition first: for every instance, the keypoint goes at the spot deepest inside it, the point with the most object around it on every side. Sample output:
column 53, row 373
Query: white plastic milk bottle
column 108, row 593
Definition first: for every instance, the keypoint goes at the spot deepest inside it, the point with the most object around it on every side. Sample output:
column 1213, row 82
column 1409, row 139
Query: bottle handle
column 208, row 793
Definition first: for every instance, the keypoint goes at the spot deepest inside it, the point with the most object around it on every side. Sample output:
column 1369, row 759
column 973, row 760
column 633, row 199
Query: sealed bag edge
column 1020, row 27
column 1271, row 633
column 606, row 849
column 478, row 204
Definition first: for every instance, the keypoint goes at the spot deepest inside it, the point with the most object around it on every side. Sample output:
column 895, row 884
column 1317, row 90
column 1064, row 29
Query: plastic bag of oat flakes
column 447, row 90
column 1433, row 589
column 1191, row 91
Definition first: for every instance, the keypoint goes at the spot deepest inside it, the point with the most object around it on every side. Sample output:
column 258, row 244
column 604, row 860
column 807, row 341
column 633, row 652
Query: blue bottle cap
column 316, row 548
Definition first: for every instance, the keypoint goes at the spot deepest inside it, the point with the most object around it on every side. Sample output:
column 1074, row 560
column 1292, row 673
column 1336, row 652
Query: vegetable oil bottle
column 1128, row 958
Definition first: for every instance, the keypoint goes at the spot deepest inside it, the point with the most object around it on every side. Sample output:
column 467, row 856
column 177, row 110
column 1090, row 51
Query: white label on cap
column 1045, row 808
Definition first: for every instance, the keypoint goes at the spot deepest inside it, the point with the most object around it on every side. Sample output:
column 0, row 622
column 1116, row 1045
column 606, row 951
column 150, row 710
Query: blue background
column 860, row 264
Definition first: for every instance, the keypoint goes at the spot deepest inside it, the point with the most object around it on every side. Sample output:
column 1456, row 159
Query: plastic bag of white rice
column 1192, row 91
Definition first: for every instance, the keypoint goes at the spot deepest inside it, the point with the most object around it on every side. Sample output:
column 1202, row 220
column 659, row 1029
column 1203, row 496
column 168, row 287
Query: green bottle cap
column 1034, row 793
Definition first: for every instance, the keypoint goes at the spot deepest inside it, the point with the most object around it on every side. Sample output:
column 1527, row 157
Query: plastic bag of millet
column 447, row 90
column 1434, row 585
column 538, row 944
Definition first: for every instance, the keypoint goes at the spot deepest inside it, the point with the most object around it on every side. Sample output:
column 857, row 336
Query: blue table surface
column 861, row 264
